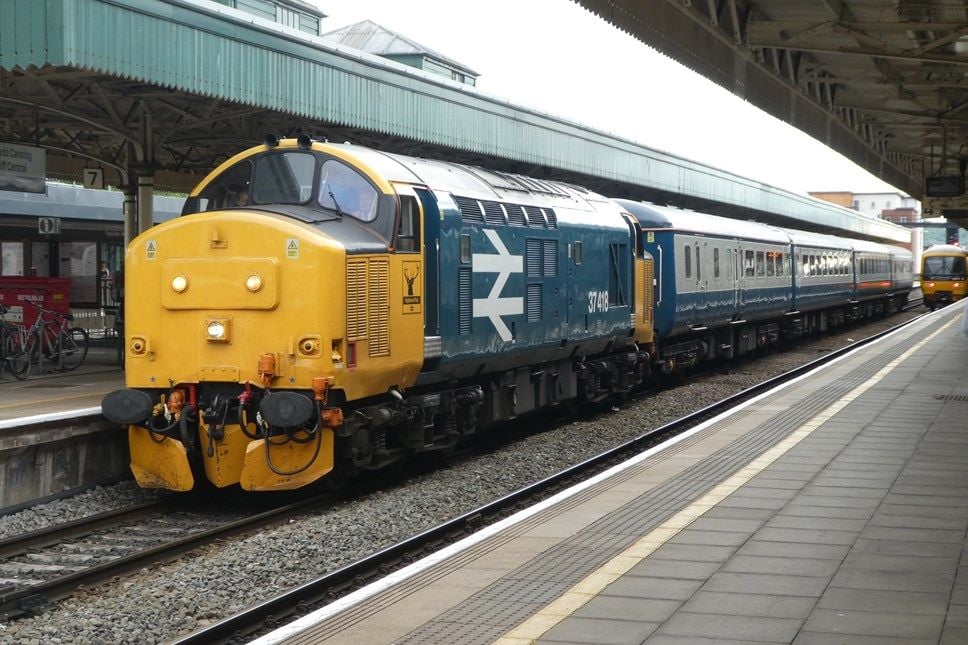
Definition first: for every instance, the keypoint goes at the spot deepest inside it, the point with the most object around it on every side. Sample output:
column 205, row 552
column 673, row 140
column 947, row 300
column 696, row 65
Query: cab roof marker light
column 271, row 140
column 304, row 142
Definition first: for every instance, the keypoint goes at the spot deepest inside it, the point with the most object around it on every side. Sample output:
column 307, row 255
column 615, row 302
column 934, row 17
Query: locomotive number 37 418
column 597, row 301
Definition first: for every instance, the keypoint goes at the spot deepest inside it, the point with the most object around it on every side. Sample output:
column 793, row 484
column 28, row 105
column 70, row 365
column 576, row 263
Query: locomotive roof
column 653, row 216
column 480, row 183
column 944, row 249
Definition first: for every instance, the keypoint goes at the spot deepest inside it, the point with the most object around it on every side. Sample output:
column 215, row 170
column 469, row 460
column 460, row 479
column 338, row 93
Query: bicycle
column 13, row 346
column 52, row 339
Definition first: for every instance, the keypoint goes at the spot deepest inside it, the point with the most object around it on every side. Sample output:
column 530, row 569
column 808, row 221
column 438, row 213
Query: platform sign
column 48, row 225
column 23, row 168
column 94, row 178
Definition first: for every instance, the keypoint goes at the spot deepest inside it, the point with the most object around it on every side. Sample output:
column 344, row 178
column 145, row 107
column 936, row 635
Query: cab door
column 413, row 278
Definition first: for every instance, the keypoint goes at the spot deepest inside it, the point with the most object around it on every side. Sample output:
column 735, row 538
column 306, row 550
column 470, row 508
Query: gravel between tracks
column 176, row 598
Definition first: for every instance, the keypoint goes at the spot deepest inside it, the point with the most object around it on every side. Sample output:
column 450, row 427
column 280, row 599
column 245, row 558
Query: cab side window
column 229, row 190
column 408, row 226
column 345, row 191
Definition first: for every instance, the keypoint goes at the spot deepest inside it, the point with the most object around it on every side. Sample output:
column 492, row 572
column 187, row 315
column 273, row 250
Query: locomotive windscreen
column 941, row 267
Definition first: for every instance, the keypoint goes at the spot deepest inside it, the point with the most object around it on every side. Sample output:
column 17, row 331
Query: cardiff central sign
column 23, row 168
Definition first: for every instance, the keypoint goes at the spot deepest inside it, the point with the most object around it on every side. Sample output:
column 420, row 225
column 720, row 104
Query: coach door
column 738, row 280
column 701, row 249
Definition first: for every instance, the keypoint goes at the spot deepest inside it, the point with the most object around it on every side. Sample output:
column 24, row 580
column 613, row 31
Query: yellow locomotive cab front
column 238, row 350
column 944, row 275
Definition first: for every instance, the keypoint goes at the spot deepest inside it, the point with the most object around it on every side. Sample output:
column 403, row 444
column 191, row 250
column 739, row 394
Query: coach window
column 760, row 265
column 748, row 267
column 715, row 262
column 770, row 264
column 687, row 259
column 577, row 253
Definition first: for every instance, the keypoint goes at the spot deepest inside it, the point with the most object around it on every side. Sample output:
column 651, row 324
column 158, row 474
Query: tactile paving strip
column 504, row 604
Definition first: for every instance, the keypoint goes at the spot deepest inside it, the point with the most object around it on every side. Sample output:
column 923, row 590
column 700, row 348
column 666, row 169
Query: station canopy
column 168, row 89
column 881, row 81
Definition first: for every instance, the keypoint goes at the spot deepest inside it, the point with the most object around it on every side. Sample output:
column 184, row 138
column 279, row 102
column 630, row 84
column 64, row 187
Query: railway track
column 331, row 586
column 49, row 564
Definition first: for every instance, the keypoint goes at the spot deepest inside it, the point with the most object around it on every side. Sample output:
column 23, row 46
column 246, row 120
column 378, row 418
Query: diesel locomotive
column 321, row 309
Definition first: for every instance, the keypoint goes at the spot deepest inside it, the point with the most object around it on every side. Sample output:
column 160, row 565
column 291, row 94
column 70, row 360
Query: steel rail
column 57, row 533
column 29, row 599
column 333, row 585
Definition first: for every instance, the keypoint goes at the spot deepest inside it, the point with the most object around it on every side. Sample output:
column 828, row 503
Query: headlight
column 179, row 283
column 217, row 330
column 254, row 282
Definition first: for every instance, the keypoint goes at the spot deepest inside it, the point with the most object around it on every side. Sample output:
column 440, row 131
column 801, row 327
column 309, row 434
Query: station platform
column 832, row 509
column 47, row 393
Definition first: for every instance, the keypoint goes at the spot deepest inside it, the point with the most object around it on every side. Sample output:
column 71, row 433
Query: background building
column 892, row 206
column 380, row 41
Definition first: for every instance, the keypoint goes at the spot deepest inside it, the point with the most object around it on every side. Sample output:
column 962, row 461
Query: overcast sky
column 553, row 56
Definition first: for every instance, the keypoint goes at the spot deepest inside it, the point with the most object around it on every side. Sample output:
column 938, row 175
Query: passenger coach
column 726, row 287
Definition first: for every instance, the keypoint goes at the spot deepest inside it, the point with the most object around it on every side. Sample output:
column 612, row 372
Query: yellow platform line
column 576, row 597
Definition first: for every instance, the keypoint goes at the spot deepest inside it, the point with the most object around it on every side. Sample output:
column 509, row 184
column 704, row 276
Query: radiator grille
column 532, row 257
column 534, row 302
column 355, row 300
column 550, row 258
column 379, row 303
column 516, row 216
column 648, row 291
column 464, row 302
column 535, row 217
column 470, row 210
column 551, row 217
column 494, row 214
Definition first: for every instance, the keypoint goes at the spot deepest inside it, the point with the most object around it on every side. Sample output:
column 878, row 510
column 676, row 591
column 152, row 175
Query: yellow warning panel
column 159, row 464
column 223, row 458
column 288, row 465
